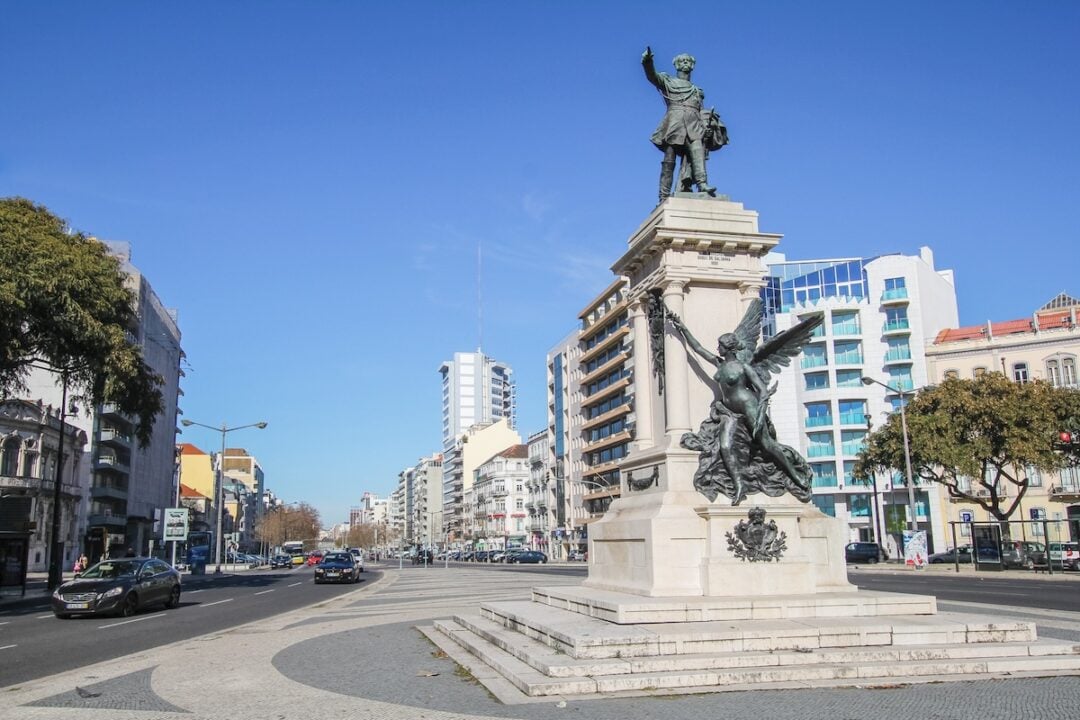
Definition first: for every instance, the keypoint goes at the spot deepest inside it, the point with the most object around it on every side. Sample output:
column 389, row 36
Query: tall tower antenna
column 480, row 295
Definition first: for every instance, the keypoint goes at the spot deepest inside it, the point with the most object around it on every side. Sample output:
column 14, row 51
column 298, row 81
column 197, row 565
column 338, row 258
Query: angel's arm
column 691, row 340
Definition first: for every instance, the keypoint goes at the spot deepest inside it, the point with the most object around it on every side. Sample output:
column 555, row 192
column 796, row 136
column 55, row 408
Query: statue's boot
column 697, row 165
column 667, row 175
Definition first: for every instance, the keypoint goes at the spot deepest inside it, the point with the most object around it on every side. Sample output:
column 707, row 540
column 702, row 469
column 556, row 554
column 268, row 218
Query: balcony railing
column 894, row 294
column 824, row 481
column 821, row 451
column 849, row 358
column 898, row 355
column 819, row 420
column 853, row 418
column 813, row 361
column 896, row 326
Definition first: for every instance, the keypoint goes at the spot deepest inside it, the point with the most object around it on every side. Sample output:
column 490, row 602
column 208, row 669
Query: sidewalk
column 359, row 655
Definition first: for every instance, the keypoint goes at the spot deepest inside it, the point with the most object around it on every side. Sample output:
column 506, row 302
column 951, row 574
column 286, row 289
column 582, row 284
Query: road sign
column 966, row 516
column 176, row 524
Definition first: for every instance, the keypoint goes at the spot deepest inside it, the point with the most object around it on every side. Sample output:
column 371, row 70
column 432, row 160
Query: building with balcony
column 545, row 502
column 29, row 445
column 129, row 485
column 499, row 496
column 880, row 314
column 426, row 484
column 1044, row 347
column 474, row 446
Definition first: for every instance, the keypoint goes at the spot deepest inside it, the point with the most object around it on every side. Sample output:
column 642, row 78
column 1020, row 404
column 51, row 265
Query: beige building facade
column 1043, row 347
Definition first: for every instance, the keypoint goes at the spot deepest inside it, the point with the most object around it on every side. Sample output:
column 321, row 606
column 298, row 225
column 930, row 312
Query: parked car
column 1065, row 555
column 953, row 555
column 577, row 555
column 528, row 556
column 1022, row 554
column 337, row 567
column 864, row 552
column 280, row 561
column 480, row 556
column 358, row 558
column 315, row 557
column 122, row 586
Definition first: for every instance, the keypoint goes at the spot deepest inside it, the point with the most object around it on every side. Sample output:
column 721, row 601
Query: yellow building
column 1046, row 347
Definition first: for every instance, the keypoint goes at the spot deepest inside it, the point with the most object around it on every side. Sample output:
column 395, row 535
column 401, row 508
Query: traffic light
column 1068, row 440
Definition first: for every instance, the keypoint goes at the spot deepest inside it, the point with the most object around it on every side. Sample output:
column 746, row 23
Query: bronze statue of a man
column 683, row 131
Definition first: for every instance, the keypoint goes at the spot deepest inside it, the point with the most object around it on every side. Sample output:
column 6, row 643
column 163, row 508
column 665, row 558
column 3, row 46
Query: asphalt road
column 34, row 643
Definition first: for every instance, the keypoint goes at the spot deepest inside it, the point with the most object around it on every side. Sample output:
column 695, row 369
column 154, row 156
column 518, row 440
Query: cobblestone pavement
column 360, row 656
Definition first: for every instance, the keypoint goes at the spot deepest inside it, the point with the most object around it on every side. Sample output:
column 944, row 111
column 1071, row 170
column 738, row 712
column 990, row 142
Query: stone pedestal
column 662, row 537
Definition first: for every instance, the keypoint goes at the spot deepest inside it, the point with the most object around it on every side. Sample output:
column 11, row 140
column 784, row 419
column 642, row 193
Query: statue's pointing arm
column 650, row 69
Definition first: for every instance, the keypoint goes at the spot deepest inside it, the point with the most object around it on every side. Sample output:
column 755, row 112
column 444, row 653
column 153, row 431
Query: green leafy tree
column 977, row 438
column 64, row 304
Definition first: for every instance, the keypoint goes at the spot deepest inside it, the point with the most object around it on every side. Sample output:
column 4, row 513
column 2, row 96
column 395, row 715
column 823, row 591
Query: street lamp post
column 56, row 570
column 912, row 522
column 220, row 494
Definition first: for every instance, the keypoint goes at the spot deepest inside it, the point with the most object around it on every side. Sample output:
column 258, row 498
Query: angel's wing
column 749, row 330
column 778, row 350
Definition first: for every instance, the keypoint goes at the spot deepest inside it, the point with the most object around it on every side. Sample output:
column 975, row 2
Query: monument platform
column 567, row 642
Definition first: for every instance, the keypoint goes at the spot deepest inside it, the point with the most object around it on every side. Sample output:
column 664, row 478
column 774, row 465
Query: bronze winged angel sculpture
column 739, row 453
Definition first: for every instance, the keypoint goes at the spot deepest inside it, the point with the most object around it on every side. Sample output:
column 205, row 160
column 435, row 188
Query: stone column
column 643, row 388
column 676, row 389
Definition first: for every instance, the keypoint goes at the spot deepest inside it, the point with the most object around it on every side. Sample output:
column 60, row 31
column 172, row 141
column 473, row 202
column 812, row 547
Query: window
column 849, row 474
column 9, row 465
column 895, row 289
column 1068, row 372
column 814, row 356
column 1061, row 371
column 899, row 349
column 849, row 378
column 900, row 378
column 896, row 319
column 818, row 414
column 852, row 412
column 859, row 505
column 848, row 352
column 978, row 372
column 851, row 441
column 816, row 381
column 845, row 323
column 952, row 374
column 826, row 504
column 1020, row 372
column 1034, row 477
column 820, row 444
column 824, row 474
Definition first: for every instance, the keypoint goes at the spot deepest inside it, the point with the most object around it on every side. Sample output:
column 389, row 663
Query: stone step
column 553, row 663
column 626, row 609
column 752, row 670
column 580, row 636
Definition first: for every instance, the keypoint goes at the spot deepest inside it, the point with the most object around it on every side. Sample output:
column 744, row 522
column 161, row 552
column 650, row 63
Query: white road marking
column 7, row 647
column 5, row 622
column 217, row 603
column 264, row 592
column 192, row 592
column 127, row 622
column 42, row 617
column 295, row 584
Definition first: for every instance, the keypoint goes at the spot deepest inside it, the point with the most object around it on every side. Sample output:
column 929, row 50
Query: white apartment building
column 880, row 314
column 499, row 496
column 476, row 390
column 124, row 487
column 427, row 509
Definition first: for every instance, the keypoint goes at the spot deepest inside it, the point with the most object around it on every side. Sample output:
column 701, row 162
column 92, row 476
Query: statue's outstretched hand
column 647, row 55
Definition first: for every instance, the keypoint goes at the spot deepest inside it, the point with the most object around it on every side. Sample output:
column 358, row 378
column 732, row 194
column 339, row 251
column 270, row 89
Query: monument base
column 586, row 642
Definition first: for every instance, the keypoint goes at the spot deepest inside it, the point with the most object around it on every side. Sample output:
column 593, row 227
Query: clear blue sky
column 308, row 182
